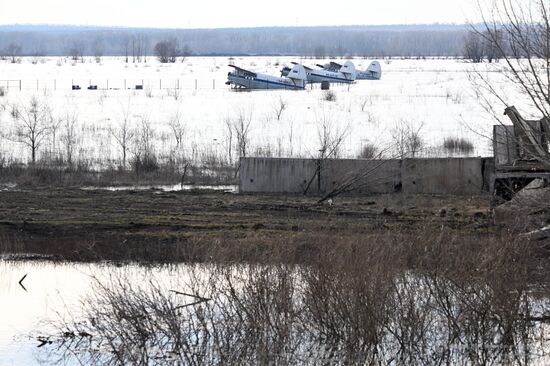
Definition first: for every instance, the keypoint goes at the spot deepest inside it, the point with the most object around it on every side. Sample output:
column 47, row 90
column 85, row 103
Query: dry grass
column 435, row 299
column 143, row 172
column 458, row 145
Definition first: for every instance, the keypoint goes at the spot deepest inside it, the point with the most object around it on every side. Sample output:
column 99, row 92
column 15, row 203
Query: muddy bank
column 200, row 225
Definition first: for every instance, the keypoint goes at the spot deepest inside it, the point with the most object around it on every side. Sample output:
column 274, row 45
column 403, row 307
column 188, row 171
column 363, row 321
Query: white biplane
column 344, row 74
column 373, row 72
column 295, row 79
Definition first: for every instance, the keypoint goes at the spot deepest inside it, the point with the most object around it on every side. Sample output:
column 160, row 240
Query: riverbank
column 152, row 225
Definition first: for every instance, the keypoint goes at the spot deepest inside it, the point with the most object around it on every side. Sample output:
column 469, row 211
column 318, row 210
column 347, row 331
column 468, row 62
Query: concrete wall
column 461, row 176
column 276, row 175
column 443, row 176
column 378, row 176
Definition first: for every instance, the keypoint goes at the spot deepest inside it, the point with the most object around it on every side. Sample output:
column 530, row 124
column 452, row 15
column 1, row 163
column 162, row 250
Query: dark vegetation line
column 360, row 41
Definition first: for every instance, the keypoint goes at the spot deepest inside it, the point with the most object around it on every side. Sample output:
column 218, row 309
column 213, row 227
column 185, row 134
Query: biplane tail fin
column 375, row 70
column 348, row 69
column 298, row 74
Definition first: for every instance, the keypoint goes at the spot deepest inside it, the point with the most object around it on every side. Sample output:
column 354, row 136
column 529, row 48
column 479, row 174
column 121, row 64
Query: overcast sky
column 232, row 13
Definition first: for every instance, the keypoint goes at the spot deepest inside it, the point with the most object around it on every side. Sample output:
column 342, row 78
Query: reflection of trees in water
column 355, row 304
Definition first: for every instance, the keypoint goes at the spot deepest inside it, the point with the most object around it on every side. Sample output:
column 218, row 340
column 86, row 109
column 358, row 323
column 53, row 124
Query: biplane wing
column 334, row 66
column 305, row 67
column 244, row 72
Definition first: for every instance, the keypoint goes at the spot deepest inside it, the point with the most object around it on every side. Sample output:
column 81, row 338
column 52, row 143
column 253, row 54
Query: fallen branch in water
column 21, row 282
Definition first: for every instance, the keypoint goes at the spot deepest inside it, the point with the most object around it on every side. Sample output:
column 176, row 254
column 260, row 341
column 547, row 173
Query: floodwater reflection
column 282, row 314
column 431, row 303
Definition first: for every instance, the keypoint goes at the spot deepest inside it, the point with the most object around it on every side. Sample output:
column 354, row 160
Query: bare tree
column 13, row 51
column 492, row 53
column 98, row 49
column 229, row 138
column 126, row 45
column 139, row 47
column 178, row 128
column 166, row 51
column 279, row 107
column 32, row 125
column 76, row 51
column 123, row 133
column 290, row 122
column 519, row 33
column 70, row 135
column 144, row 159
column 406, row 139
column 474, row 47
column 330, row 137
column 241, row 128
column 146, row 135
column 55, row 124
column 185, row 52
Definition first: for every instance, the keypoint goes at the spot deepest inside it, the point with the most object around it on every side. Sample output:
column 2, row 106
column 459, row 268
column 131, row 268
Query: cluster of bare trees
column 237, row 133
column 477, row 47
column 169, row 51
column 13, row 52
column 136, row 45
column 76, row 51
column 407, row 139
column 35, row 124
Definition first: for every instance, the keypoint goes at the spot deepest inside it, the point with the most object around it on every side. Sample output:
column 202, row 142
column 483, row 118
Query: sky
column 233, row 13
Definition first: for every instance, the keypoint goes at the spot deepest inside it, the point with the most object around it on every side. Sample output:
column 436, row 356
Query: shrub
column 329, row 96
column 458, row 144
column 368, row 151
column 145, row 163
column 2, row 91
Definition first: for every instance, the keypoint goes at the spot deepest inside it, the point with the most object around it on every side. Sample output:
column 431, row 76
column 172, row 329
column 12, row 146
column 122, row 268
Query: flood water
column 52, row 291
column 259, row 314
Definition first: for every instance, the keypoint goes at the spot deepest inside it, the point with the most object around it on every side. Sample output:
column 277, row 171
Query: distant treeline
column 367, row 41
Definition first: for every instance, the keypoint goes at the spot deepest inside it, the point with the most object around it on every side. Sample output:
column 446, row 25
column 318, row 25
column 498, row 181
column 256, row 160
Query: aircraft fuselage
column 318, row 76
column 261, row 81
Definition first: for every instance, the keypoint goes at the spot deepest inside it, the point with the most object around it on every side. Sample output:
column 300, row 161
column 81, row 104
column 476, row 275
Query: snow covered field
column 433, row 95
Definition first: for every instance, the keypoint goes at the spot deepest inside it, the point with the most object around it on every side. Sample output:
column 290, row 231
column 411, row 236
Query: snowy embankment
column 432, row 96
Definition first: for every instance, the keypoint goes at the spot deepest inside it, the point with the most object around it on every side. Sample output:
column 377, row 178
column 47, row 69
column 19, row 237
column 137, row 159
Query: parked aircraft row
column 299, row 75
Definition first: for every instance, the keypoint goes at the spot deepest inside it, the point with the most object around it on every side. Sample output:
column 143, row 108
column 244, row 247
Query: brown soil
column 174, row 226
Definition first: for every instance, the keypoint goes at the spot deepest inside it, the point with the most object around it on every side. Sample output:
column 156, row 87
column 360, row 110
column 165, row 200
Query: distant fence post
column 195, row 84
column 213, row 84
column 160, row 84
column 107, row 84
column 37, row 84
column 54, row 84
column 19, row 85
column 124, row 84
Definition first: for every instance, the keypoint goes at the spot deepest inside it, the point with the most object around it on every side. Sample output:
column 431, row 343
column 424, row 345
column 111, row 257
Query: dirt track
column 90, row 225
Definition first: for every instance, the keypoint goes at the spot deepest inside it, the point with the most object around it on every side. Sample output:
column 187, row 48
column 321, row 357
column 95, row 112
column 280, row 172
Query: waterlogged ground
column 434, row 96
column 51, row 292
column 357, row 313
column 161, row 225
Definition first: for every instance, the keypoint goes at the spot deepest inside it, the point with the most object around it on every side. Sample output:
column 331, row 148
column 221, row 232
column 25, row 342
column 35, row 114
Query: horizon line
column 229, row 28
